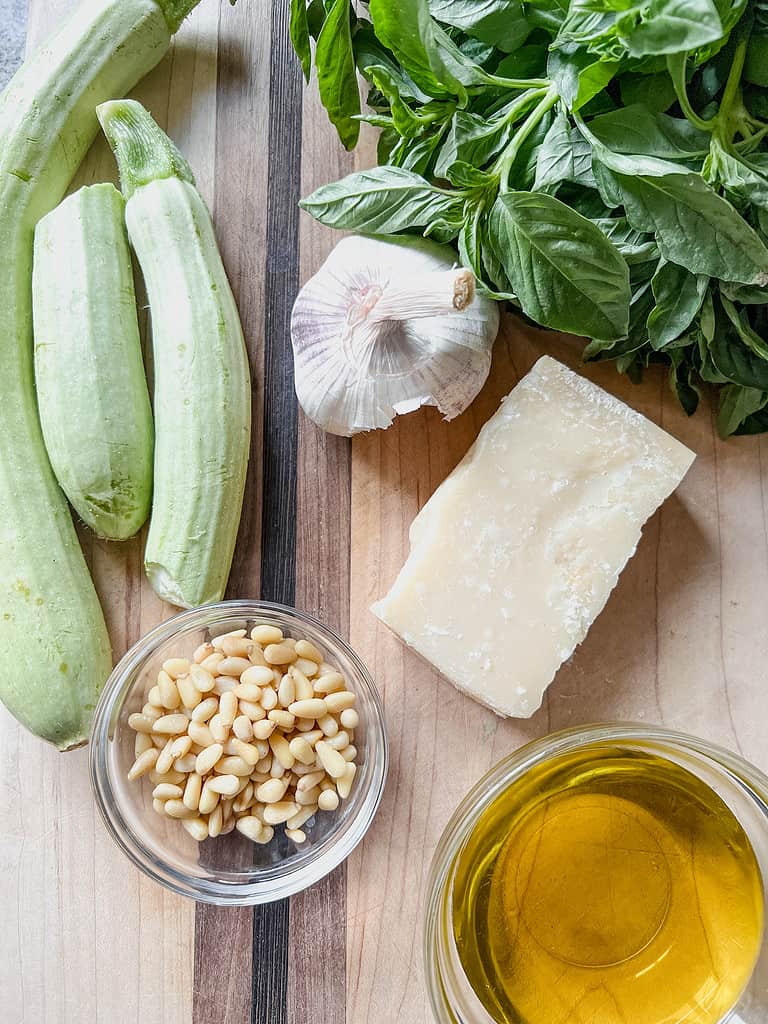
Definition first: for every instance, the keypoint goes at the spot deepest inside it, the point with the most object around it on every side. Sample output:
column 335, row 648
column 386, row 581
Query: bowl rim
column 483, row 792
column 280, row 884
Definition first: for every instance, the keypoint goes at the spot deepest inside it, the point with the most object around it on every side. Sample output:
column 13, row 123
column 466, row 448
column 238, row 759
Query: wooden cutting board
column 683, row 640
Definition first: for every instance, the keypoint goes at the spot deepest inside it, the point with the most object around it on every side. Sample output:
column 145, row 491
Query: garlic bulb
column 385, row 327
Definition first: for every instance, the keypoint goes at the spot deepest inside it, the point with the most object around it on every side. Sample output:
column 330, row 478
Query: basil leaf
column 634, row 246
column 681, row 379
column 656, row 91
column 475, row 139
column 381, row 201
column 502, row 23
column 336, row 76
column 530, row 61
column 736, row 361
column 563, row 156
column 670, row 26
column 679, row 295
column 737, row 404
column 635, row 129
column 740, row 323
column 635, row 337
column 370, row 53
column 694, row 226
column 299, row 29
column 564, row 271
column 471, row 246
column 578, row 76
column 735, row 175
column 407, row 122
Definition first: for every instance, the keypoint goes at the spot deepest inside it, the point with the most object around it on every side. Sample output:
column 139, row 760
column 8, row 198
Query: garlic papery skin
column 385, row 326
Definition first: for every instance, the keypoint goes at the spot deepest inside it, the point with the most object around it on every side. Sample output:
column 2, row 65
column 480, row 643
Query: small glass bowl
column 229, row 870
column 740, row 785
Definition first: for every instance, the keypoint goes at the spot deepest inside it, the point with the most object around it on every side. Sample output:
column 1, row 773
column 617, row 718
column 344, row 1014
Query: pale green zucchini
column 91, row 389
column 54, row 647
column 202, row 398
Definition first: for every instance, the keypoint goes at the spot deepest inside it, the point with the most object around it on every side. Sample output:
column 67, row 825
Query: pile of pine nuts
column 252, row 733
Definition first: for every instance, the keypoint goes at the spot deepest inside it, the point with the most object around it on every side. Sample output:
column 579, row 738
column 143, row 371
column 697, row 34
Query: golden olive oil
column 608, row 886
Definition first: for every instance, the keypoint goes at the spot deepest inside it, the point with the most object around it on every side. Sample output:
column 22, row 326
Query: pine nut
column 251, row 828
column 208, row 758
column 227, row 785
column 228, row 708
column 275, row 814
column 235, row 634
column 227, row 827
column 172, row 776
column 189, row 693
column 268, row 699
column 340, row 701
column 176, row 667
column 256, row 657
column 329, row 725
column 277, row 771
column 279, row 654
column 158, row 806
column 219, row 730
column 286, row 691
column 326, row 784
column 304, row 769
column 304, row 689
column 197, row 828
column 140, row 723
column 330, row 682
column 234, row 765
column 344, row 784
column 264, row 729
column 155, row 698
column 282, row 719
column 208, row 799
column 349, row 753
column 181, row 746
column 167, row 791
column 143, row 763
column 235, row 647
column 246, row 752
column 233, row 667
column 262, row 768
column 201, row 678
column 165, row 759
column 157, row 740
column 349, row 718
column 141, row 743
column 225, row 684
column 305, row 649
column 296, row 835
column 253, row 711
column 331, row 760
column 328, row 800
column 267, row 634
column 307, row 797
column 313, row 736
column 314, row 708
column 192, row 791
column 303, row 816
column 339, row 741
column 257, row 675
column 200, row 733
column 242, row 728
column 215, row 821
column 185, row 764
column 272, row 792
column 310, row 780
column 171, row 725
column 306, row 667
column 205, row 710
column 212, row 662
column 301, row 750
column 248, row 691
column 281, row 750
column 263, row 747
column 152, row 712
column 176, row 809
column 202, row 652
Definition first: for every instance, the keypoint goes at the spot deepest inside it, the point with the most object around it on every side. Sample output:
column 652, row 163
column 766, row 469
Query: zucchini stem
column 143, row 151
column 175, row 11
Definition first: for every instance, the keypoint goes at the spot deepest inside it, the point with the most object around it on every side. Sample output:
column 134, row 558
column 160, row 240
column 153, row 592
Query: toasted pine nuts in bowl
column 238, row 752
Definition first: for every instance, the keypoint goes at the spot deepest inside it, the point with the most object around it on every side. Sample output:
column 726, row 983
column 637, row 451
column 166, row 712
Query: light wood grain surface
column 683, row 640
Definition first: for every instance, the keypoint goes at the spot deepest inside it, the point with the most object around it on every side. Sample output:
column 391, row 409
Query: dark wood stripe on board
column 224, row 936
column 318, row 915
column 278, row 563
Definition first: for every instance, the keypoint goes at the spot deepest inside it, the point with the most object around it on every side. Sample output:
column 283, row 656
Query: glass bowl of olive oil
column 614, row 874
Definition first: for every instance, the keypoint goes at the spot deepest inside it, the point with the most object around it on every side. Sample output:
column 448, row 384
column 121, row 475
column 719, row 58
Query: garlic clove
column 385, row 326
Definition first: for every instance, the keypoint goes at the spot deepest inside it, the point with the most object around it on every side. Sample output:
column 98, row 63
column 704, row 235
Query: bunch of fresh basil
column 602, row 164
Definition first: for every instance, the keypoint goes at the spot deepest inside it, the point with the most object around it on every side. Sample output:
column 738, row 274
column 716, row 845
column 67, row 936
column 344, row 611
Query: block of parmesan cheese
column 514, row 555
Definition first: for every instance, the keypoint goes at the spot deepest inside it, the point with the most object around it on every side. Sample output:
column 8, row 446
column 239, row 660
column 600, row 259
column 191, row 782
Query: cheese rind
column 514, row 555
